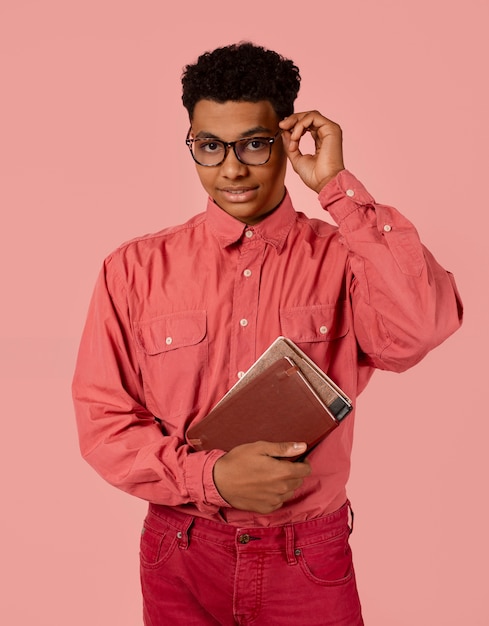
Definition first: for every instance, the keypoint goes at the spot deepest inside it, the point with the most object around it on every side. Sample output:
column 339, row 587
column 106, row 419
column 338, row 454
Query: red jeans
column 198, row 572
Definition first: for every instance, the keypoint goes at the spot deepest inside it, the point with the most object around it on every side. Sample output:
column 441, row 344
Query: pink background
column 92, row 154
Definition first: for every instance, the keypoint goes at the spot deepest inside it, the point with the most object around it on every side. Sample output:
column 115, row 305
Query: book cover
column 276, row 400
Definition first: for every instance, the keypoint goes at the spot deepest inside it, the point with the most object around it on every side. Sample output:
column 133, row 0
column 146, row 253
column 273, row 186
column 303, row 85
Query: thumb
column 300, row 163
column 285, row 449
column 291, row 148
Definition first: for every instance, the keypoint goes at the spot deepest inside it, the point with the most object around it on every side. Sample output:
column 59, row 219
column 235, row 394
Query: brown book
column 280, row 398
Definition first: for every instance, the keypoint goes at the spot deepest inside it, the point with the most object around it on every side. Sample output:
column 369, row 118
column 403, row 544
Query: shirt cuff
column 199, row 480
column 343, row 195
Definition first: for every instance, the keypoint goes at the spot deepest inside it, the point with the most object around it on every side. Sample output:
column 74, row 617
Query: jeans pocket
column 156, row 546
column 328, row 562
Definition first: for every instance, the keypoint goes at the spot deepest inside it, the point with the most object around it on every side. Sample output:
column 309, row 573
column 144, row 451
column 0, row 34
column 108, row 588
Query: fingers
column 283, row 449
column 297, row 124
column 257, row 477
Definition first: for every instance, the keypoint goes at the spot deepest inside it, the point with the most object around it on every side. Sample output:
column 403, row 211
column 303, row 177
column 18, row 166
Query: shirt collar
column 273, row 229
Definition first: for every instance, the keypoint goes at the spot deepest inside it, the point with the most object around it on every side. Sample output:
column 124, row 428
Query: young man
column 176, row 318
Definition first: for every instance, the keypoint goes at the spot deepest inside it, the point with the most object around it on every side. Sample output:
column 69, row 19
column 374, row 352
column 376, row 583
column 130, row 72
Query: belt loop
column 352, row 516
column 182, row 534
column 290, row 545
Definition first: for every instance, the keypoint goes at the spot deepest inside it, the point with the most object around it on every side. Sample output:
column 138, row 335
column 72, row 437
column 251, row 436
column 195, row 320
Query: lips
column 238, row 194
column 237, row 189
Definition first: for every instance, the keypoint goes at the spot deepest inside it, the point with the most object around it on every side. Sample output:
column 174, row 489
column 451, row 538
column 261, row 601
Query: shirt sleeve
column 404, row 302
column 118, row 436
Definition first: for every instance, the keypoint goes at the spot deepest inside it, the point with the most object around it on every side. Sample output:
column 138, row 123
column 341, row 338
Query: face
column 247, row 192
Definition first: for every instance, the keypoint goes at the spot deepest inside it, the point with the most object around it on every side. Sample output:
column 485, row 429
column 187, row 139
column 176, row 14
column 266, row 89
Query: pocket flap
column 172, row 331
column 314, row 323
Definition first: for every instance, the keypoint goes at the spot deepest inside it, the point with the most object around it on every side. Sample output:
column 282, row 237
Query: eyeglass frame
column 231, row 144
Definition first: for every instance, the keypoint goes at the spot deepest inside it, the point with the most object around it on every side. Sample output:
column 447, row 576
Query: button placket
column 245, row 304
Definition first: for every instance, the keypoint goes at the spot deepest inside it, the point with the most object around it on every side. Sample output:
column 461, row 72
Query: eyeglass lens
column 254, row 151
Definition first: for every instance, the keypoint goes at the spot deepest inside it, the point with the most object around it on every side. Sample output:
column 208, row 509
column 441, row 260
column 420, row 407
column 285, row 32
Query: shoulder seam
column 170, row 230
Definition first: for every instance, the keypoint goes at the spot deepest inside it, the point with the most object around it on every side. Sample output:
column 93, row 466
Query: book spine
column 339, row 408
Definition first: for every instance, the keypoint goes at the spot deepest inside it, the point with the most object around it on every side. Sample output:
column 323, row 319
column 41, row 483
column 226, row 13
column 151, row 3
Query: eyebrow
column 256, row 130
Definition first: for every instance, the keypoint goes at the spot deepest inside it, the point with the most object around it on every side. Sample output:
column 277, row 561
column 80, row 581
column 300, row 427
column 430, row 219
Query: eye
column 256, row 144
column 210, row 146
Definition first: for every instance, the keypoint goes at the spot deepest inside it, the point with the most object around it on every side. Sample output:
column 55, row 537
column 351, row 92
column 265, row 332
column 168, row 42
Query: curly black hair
column 242, row 72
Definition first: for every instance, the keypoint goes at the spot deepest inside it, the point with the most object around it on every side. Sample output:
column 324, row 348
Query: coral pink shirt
column 176, row 316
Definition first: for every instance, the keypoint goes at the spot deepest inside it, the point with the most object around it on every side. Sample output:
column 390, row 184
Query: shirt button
column 168, row 341
column 249, row 233
column 350, row 193
column 387, row 228
column 240, row 374
column 247, row 273
column 323, row 330
column 244, row 322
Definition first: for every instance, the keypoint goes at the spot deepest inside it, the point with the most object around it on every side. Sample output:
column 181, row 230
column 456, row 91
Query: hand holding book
column 276, row 413
column 258, row 476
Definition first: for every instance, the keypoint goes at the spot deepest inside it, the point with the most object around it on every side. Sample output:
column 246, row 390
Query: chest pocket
column 320, row 331
column 314, row 323
column 173, row 351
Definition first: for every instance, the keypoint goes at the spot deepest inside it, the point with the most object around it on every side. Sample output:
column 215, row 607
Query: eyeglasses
column 211, row 152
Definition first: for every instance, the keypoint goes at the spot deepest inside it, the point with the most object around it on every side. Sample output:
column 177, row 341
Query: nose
column 232, row 167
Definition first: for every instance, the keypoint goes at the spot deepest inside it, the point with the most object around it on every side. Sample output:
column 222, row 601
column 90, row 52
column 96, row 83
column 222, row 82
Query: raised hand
column 319, row 168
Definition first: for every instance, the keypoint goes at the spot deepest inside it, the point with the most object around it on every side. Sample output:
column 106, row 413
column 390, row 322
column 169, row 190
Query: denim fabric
column 196, row 571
